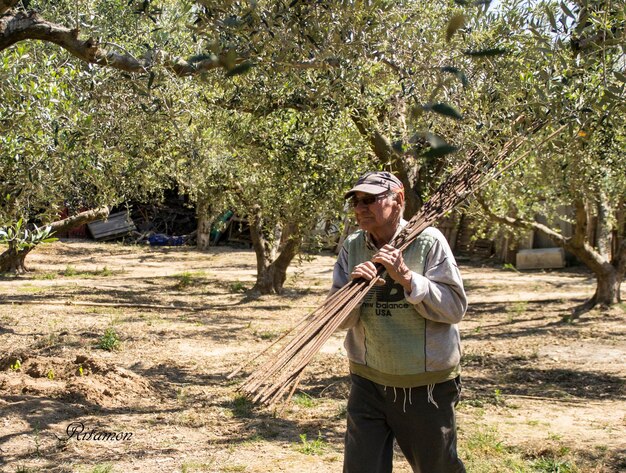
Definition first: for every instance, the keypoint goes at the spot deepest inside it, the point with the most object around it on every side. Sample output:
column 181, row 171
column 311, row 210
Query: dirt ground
column 536, row 384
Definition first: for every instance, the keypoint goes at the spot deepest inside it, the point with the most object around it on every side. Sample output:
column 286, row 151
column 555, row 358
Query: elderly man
column 403, row 342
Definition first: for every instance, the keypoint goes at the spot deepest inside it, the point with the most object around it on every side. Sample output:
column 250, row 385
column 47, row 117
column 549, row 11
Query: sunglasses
column 367, row 200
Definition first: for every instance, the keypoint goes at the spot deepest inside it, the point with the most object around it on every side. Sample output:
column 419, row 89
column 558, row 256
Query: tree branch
column 21, row 26
column 87, row 216
column 556, row 237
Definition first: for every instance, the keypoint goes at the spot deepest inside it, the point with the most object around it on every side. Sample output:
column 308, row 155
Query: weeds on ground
column 516, row 309
column 553, row 465
column 509, row 267
column 234, row 468
column 191, row 466
column 498, row 397
column 187, row 279
column 102, row 468
column 237, row 286
column 71, row 271
column 267, row 334
column 242, row 407
column 109, row 341
column 303, row 400
column 311, row 447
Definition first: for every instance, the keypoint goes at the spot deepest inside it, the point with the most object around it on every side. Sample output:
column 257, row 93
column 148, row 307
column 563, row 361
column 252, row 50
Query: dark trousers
column 425, row 433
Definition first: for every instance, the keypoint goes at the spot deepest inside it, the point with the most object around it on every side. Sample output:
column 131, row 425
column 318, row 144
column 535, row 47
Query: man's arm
column 341, row 277
column 438, row 295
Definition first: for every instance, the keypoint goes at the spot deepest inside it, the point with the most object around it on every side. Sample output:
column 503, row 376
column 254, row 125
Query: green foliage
column 102, row 468
column 236, row 287
column 110, row 341
column 312, row 447
column 303, row 400
column 184, row 280
column 18, row 237
column 242, row 407
column 553, row 465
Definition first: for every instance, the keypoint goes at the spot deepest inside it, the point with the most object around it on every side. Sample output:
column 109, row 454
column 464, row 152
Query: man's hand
column 393, row 262
column 365, row 271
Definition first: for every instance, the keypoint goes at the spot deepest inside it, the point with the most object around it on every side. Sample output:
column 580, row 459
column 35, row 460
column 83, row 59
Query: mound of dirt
column 79, row 379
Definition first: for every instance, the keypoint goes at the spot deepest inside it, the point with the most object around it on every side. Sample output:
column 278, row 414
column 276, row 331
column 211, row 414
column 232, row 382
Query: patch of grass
column 509, row 267
column 303, row 400
column 104, row 272
column 498, row 397
column 188, row 279
column 267, row 334
column 191, row 466
column 71, row 271
column 110, row 340
column 516, row 309
column 234, row 468
column 311, row 447
column 237, row 286
column 30, row 289
column 483, row 452
column 102, row 468
column 184, row 280
column 242, row 407
column 553, row 465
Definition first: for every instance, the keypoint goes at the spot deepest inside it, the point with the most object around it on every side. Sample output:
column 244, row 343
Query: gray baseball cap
column 376, row 183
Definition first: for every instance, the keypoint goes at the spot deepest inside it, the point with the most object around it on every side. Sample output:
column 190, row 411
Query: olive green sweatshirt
column 405, row 339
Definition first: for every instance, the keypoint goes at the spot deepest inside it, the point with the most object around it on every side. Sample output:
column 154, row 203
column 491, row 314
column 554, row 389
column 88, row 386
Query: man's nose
column 360, row 205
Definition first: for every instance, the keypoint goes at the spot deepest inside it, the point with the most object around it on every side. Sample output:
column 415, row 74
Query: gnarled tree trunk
column 274, row 255
column 608, row 269
column 12, row 260
column 205, row 221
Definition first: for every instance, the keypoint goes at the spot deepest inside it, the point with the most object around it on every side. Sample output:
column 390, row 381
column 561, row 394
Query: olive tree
column 568, row 74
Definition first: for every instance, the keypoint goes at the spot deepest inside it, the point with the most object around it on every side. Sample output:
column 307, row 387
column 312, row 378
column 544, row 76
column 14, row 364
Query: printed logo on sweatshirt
column 386, row 298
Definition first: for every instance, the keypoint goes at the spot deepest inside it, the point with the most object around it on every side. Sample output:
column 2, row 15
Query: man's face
column 378, row 215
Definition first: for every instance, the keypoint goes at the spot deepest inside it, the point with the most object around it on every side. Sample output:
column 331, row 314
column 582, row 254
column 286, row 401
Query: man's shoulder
column 432, row 233
column 355, row 238
column 428, row 235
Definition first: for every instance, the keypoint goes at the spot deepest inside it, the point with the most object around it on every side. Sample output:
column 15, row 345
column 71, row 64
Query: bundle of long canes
column 279, row 374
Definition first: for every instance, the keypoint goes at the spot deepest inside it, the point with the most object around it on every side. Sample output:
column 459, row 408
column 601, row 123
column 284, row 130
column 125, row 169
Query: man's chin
column 365, row 225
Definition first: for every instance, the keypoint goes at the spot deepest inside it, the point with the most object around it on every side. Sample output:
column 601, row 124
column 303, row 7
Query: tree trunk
column 609, row 273
column 12, row 260
column 205, row 221
column 272, row 256
column 608, row 287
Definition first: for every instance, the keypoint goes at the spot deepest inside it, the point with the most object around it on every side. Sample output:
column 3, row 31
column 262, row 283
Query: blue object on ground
column 159, row 239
